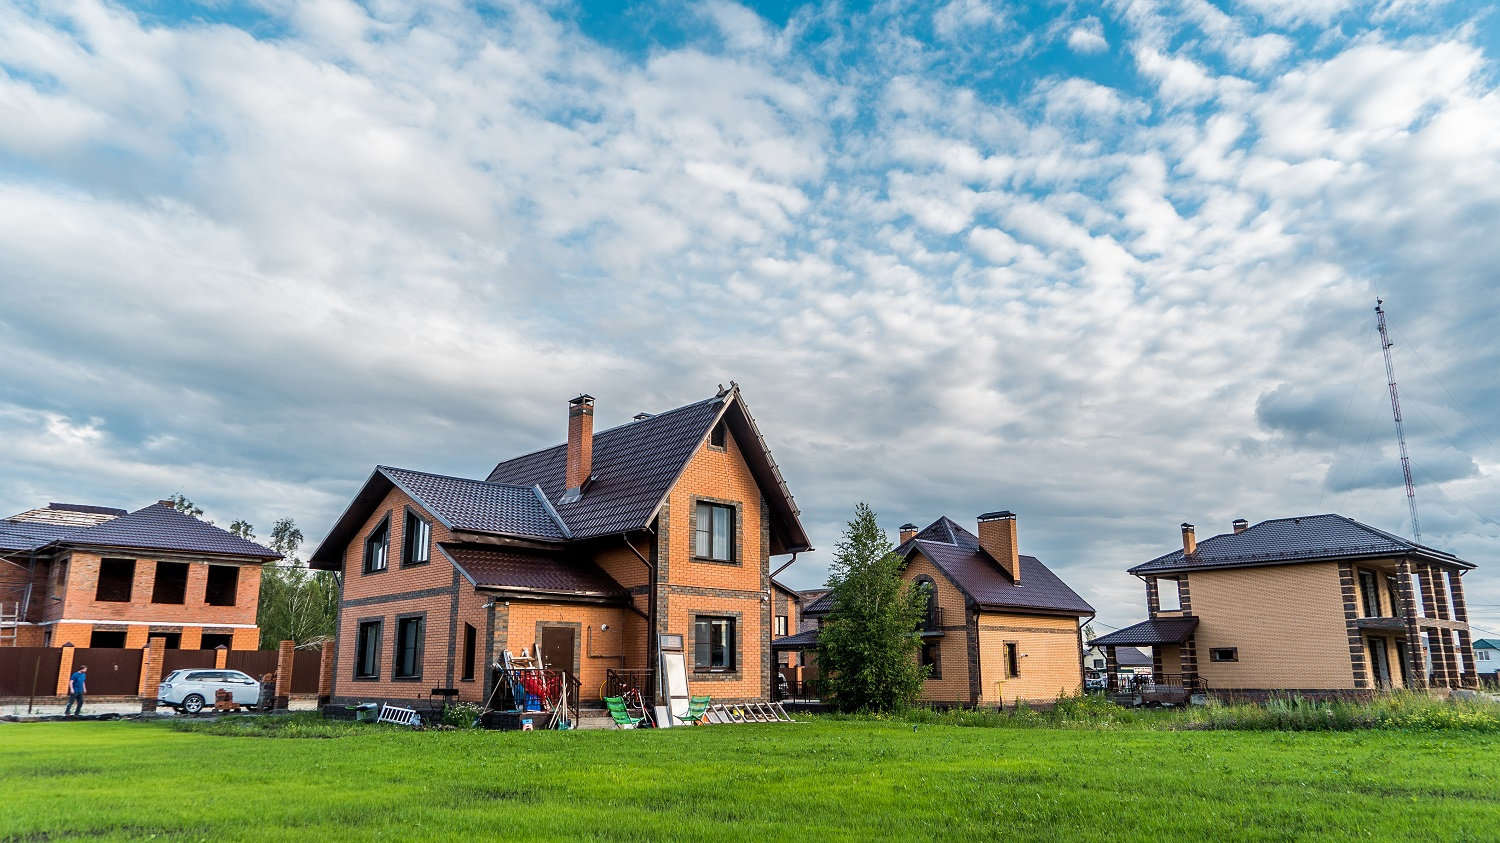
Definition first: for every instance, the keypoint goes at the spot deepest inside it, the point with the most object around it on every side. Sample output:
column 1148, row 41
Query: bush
column 464, row 715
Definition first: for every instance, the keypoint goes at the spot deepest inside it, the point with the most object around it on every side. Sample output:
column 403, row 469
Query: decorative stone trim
column 689, row 644
column 737, row 528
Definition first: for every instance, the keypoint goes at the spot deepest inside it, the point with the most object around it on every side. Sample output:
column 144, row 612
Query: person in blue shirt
column 76, row 687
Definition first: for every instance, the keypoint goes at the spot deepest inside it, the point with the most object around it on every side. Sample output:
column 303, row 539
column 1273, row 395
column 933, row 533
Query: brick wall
column 953, row 685
column 1050, row 663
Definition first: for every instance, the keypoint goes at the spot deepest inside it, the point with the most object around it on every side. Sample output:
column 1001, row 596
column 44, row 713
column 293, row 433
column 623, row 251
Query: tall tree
column 868, row 644
column 296, row 603
column 185, row 506
column 243, row 529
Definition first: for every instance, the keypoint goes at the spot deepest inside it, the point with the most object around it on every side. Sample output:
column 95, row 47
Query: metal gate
column 307, row 669
column 113, row 672
column 257, row 663
column 22, row 668
column 186, row 660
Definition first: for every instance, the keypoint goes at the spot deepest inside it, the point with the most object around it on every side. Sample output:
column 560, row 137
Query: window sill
column 367, row 571
column 416, row 564
column 406, row 678
column 375, row 678
column 717, row 676
column 710, row 561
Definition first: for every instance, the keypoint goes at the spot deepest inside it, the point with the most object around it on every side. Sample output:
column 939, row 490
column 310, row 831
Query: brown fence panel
column 307, row 665
column 113, row 672
column 257, row 663
column 186, row 660
column 23, row 667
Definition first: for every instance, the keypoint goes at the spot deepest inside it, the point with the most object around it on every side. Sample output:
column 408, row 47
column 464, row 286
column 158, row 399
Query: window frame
column 1012, row 659
column 730, row 647
column 781, row 625
column 731, row 513
column 385, row 557
column 1216, row 655
column 424, row 529
column 208, row 586
column 718, row 437
column 399, row 650
column 373, row 649
column 470, row 652
column 930, row 654
column 1369, row 592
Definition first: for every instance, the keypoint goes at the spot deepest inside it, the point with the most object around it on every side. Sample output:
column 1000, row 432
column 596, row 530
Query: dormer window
column 376, row 547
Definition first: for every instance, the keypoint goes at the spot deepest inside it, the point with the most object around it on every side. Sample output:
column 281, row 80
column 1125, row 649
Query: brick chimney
column 1189, row 541
column 997, row 535
column 580, row 445
column 908, row 531
column 1241, row 525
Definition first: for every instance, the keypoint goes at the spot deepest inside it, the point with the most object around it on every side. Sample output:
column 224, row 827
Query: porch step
column 595, row 718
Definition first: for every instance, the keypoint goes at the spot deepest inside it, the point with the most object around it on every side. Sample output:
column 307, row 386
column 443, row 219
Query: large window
column 713, row 644
column 223, row 584
column 367, row 657
column 408, row 648
column 116, row 577
column 715, row 532
column 376, row 546
column 417, row 537
column 1169, row 594
column 1369, row 593
column 170, row 585
column 471, row 647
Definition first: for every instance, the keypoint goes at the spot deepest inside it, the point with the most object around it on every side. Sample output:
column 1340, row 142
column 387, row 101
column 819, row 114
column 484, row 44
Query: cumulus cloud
column 953, row 271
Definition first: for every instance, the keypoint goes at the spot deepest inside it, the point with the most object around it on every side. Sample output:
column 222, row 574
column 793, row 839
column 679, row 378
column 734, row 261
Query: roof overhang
column 1434, row 557
column 1149, row 633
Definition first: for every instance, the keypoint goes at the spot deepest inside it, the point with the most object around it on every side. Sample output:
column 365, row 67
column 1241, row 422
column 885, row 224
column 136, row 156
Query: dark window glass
column 116, row 577
column 212, row 640
column 1224, row 654
column 408, row 648
column 416, row 540
column 367, row 657
column 376, row 546
column 1369, row 593
column 107, row 638
column 713, row 644
column 930, row 659
column 171, row 583
column 1012, row 660
column 471, row 647
column 223, row 582
column 719, row 436
column 715, row 532
column 930, row 617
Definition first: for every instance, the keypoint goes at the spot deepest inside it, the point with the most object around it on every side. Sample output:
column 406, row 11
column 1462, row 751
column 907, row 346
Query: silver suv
column 191, row 690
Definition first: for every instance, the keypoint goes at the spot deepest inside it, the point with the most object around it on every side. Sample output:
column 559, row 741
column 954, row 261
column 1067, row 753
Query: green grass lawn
column 827, row 780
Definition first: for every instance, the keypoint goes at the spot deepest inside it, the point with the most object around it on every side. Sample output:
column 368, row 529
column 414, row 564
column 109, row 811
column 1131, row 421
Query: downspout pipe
column 652, row 654
column 771, row 622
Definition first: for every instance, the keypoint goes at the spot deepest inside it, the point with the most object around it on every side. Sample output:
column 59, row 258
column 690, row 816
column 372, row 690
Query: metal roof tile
column 1282, row 540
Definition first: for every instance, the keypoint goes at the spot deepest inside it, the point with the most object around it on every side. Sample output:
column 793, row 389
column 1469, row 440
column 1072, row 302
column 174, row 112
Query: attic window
column 376, row 546
column 718, row 436
column 416, row 539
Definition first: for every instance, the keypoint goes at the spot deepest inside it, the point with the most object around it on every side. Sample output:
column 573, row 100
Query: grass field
column 827, row 780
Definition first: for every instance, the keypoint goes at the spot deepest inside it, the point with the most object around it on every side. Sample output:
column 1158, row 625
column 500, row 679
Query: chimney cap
column 1186, row 527
column 1241, row 521
column 167, row 503
column 998, row 516
column 583, row 398
column 643, row 416
column 908, row 526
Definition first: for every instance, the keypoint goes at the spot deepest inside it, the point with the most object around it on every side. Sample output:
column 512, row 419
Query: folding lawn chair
column 622, row 716
column 696, row 708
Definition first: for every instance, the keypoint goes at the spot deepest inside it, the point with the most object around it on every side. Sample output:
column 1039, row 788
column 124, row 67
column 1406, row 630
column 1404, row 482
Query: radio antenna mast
column 1390, row 377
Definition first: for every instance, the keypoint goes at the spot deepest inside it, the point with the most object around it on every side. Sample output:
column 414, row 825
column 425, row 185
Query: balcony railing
column 1142, row 682
column 932, row 623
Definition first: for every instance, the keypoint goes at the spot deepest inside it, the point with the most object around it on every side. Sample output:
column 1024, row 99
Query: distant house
column 1128, row 660
column 999, row 627
column 1487, row 659
column 96, row 576
column 586, row 554
column 1320, row 605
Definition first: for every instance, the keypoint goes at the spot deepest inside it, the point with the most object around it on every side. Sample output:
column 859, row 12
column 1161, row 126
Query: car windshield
column 176, row 674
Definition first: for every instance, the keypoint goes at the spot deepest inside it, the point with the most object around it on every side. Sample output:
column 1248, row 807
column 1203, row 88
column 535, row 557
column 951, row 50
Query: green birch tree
column 296, row 603
column 868, row 644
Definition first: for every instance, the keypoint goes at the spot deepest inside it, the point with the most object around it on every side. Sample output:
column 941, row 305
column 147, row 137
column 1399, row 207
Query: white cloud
column 1088, row 37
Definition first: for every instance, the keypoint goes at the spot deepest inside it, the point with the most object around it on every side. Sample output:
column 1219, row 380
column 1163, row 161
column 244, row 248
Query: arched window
column 930, row 619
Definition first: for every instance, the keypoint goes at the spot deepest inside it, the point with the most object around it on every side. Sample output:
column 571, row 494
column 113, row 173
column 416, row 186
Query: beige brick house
column 95, row 576
column 586, row 553
column 1321, row 606
column 1000, row 627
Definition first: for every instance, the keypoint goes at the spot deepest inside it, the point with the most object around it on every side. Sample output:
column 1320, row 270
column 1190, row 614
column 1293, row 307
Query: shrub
column 464, row 715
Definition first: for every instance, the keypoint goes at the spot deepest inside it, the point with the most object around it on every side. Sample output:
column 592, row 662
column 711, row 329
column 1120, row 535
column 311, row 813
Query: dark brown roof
column 957, row 553
column 160, row 527
column 1149, row 633
column 804, row 640
column 547, row 574
column 1310, row 538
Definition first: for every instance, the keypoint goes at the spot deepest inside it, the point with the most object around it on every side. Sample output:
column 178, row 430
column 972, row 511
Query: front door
column 1379, row 663
column 558, row 647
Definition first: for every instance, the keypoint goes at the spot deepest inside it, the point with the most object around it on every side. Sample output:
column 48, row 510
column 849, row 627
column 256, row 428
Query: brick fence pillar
column 325, row 675
column 65, row 669
column 221, row 657
column 284, row 658
column 151, row 659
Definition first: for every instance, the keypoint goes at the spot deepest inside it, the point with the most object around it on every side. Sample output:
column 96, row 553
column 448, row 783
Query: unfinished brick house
column 584, row 552
column 97, row 576
column 1000, row 627
column 1321, row 606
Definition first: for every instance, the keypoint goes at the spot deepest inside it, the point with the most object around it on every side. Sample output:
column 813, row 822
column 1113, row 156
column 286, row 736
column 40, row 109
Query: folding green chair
column 622, row 717
column 696, row 708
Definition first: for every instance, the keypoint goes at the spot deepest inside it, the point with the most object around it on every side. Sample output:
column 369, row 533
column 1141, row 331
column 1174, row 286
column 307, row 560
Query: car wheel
column 192, row 704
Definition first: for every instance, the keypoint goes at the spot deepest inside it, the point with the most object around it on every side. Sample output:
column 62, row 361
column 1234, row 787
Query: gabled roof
column 1150, row 633
column 957, row 553
column 1307, row 539
column 31, row 535
column 821, row 606
column 160, row 527
column 534, row 573
column 801, row 641
column 1133, row 657
column 635, row 466
column 1488, row 643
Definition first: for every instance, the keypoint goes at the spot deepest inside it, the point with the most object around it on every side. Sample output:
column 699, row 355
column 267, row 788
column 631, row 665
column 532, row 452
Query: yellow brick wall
column 953, row 646
column 1051, row 663
column 1287, row 622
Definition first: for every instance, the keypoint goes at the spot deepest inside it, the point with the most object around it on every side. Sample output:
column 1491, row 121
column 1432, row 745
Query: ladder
column 10, row 621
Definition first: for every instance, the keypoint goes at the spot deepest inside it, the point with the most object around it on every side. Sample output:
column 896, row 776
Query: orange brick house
column 1320, row 606
column 584, row 552
column 1000, row 627
column 96, row 576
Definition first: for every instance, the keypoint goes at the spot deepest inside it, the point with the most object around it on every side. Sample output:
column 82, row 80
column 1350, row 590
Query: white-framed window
column 377, row 546
column 416, row 540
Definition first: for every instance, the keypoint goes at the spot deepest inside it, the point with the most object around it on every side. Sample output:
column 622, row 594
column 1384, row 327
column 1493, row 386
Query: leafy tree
column 243, row 529
column 868, row 644
column 185, row 506
column 296, row 603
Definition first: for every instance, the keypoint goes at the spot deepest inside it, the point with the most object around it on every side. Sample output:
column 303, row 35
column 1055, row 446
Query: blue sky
column 1111, row 266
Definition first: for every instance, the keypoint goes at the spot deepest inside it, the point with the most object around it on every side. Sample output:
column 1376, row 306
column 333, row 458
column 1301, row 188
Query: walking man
column 76, row 687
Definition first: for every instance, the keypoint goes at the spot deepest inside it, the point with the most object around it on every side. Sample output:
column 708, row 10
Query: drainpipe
column 771, row 622
column 652, row 654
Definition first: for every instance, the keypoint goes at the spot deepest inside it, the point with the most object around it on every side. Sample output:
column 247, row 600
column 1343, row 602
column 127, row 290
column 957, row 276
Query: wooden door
column 558, row 647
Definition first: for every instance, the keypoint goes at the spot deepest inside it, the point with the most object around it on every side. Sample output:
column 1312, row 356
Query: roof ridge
column 452, row 477
column 620, row 426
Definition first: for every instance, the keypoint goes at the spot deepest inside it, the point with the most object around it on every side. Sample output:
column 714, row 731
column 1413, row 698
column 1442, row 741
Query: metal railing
column 933, row 620
column 1128, row 684
column 617, row 682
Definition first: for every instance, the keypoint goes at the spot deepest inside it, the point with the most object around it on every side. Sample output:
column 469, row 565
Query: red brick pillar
column 284, row 659
column 325, row 675
column 221, row 657
column 65, row 669
column 151, row 659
